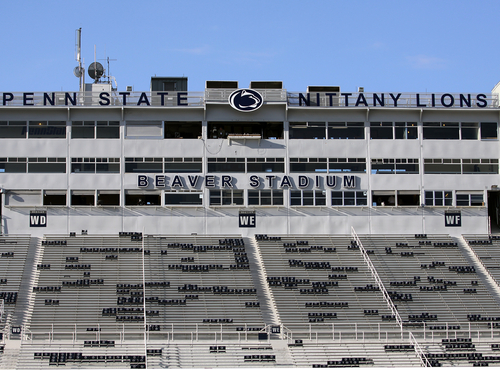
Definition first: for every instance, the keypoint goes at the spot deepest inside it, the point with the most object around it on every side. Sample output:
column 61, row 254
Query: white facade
column 393, row 163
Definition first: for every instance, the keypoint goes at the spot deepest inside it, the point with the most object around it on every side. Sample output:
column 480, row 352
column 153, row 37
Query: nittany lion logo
column 245, row 100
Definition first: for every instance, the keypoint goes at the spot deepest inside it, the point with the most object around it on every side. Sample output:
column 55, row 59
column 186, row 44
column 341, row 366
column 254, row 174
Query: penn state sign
column 245, row 100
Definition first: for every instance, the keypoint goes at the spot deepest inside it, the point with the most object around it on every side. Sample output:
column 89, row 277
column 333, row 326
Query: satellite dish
column 96, row 70
column 77, row 71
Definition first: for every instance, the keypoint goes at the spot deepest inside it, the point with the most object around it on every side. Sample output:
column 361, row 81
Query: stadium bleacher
column 137, row 301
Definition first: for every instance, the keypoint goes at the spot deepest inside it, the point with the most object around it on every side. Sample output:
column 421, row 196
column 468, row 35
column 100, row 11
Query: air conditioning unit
column 266, row 85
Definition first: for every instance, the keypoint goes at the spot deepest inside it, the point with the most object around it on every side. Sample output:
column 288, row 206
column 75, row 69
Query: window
column 267, row 130
column 143, row 130
column 408, row 198
column 307, row 130
column 332, row 165
column 108, row 198
column 439, row 198
column 23, row 198
column 13, row 165
column 226, row 164
column 54, row 198
column 148, row 164
column 183, row 198
column 47, row 130
column 82, row 129
column 472, row 199
column 307, row 198
column 347, row 165
column 441, row 130
column 226, row 197
column 381, row 130
column 83, row 198
column 13, row 129
column 265, row 165
column 461, row 166
column 46, row 165
column 93, row 129
column 182, row 165
column 396, row 130
column 346, row 130
column 483, row 165
column 265, row 197
column 406, row 130
column 107, row 129
column 308, row 165
column 394, row 165
column 138, row 198
column 442, row 166
column 95, row 165
column 383, row 198
column 182, row 130
column 469, row 131
column 489, row 130
column 349, row 198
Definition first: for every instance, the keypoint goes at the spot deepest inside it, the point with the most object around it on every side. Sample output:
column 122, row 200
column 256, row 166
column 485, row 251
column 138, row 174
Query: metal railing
column 336, row 332
column 379, row 282
column 418, row 351
column 269, row 95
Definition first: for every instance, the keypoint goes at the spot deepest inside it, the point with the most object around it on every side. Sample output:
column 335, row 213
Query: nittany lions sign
column 246, row 100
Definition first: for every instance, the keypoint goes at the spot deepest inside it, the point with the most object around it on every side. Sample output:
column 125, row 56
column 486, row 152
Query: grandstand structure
column 248, row 227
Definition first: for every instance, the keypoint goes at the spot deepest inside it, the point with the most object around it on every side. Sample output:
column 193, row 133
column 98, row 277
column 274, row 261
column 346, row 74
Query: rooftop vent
column 323, row 89
column 169, row 84
column 266, row 85
column 221, row 84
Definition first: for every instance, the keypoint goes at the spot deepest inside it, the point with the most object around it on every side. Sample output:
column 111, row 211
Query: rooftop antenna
column 79, row 71
column 108, row 76
column 96, row 70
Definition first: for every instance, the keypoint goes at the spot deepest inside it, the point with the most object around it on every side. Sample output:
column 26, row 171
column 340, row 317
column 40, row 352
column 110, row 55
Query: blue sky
column 384, row 46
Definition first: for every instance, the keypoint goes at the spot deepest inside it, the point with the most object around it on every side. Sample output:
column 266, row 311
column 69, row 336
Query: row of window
column 233, row 197
column 250, row 165
column 266, row 130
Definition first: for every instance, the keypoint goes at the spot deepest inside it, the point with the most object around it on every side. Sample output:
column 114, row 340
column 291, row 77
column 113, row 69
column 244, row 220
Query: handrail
column 479, row 259
column 334, row 332
column 379, row 282
column 418, row 350
column 416, row 346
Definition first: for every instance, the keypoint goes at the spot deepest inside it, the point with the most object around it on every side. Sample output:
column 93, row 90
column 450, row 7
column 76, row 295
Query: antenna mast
column 79, row 71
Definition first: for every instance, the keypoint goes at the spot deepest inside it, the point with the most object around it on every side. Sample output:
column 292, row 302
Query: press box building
column 249, row 161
